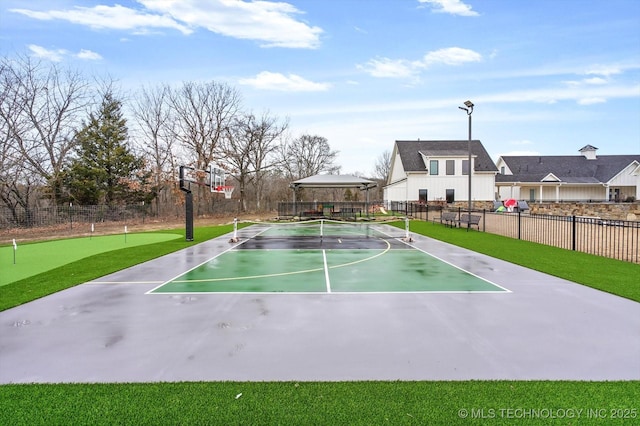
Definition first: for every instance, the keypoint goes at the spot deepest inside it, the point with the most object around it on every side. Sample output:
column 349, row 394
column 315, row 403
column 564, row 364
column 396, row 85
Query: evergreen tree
column 105, row 169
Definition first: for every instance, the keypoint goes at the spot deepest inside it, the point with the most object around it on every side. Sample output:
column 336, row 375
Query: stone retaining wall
column 617, row 211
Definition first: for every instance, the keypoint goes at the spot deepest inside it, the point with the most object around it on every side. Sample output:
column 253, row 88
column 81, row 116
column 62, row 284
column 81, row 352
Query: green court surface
column 35, row 258
column 326, row 271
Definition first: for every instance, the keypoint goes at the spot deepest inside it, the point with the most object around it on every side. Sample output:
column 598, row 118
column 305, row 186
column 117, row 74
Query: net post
column 235, row 238
column 407, row 236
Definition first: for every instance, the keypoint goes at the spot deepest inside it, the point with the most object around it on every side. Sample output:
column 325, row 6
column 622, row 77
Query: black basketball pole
column 188, row 210
column 188, row 205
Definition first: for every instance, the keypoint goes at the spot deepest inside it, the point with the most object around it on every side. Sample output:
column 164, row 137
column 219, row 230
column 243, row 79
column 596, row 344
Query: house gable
column 550, row 178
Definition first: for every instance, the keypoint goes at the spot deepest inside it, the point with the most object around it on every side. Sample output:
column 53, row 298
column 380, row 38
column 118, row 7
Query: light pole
column 469, row 110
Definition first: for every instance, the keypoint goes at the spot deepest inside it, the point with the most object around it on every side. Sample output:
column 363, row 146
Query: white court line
column 326, row 270
column 123, row 282
column 505, row 290
column 202, row 263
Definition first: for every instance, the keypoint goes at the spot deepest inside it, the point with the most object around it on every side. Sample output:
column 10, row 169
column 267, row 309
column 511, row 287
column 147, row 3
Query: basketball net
column 227, row 191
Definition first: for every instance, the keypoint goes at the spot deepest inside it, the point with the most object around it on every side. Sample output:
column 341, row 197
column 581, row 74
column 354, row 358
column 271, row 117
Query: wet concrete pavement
column 109, row 330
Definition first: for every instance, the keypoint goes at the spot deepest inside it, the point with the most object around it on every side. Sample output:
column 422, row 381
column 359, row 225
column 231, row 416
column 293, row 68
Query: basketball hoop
column 227, row 191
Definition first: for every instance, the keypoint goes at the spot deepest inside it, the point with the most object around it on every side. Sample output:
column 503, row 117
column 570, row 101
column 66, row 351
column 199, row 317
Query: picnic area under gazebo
column 330, row 208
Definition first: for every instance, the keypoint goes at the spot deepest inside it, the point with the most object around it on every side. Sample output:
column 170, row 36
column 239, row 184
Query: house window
column 465, row 167
column 502, row 169
column 422, row 195
column 451, row 167
column 450, row 196
column 532, row 195
column 433, row 167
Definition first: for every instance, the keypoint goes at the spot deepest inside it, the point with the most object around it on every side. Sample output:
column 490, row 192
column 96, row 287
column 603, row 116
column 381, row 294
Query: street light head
column 469, row 104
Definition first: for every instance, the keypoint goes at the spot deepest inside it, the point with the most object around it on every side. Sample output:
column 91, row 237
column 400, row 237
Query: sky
column 547, row 77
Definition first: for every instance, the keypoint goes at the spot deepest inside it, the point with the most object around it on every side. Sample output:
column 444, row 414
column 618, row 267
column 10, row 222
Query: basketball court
column 321, row 302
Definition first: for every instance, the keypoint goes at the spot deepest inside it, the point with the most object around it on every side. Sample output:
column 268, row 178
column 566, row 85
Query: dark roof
column 412, row 159
column 570, row 169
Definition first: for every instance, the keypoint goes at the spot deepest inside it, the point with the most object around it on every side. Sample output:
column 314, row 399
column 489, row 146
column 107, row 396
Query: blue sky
column 547, row 76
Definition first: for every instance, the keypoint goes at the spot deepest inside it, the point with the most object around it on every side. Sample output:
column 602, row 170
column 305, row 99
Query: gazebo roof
column 334, row 181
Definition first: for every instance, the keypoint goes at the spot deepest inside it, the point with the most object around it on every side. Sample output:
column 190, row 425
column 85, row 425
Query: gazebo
column 333, row 181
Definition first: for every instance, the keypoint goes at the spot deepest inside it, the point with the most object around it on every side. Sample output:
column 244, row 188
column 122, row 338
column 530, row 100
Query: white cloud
column 605, row 70
column 595, row 80
column 584, row 94
column 403, row 68
column 88, row 55
column 256, row 20
column 56, row 55
column 390, row 68
column 454, row 7
column 591, row 101
column 286, row 83
column 107, row 17
column 451, row 56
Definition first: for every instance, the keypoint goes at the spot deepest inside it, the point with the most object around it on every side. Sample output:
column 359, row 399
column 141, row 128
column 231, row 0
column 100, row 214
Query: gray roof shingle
column 412, row 159
column 570, row 169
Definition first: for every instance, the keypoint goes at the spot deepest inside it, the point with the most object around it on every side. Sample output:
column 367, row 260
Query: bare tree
column 51, row 104
column 308, row 155
column 202, row 113
column 383, row 166
column 152, row 115
column 16, row 182
column 250, row 148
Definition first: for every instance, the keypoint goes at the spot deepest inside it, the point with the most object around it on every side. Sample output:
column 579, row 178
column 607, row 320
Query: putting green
column 33, row 259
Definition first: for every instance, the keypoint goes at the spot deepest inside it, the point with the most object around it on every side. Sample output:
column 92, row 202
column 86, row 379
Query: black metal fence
column 617, row 239
column 72, row 215
column 325, row 209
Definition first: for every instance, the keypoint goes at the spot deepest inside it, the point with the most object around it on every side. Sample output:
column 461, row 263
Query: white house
column 585, row 177
column 439, row 171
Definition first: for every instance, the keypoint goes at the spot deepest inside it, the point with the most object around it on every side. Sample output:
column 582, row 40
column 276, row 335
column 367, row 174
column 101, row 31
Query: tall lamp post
column 468, row 108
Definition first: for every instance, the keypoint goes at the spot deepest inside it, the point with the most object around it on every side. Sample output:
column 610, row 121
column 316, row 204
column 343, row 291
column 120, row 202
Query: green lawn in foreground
column 34, row 258
column 313, row 403
column 332, row 403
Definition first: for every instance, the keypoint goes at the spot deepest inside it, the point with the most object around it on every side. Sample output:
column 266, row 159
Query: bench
column 470, row 220
column 447, row 218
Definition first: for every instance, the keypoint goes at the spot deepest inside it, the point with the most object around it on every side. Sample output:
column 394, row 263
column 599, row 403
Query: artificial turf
column 34, row 258
column 322, row 403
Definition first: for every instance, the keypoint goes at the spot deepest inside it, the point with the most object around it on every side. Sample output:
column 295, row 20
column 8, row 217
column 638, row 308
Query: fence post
column 519, row 224
column 573, row 233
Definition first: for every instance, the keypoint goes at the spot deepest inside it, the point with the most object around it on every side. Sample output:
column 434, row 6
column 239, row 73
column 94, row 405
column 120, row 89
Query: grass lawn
column 313, row 403
column 330, row 403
